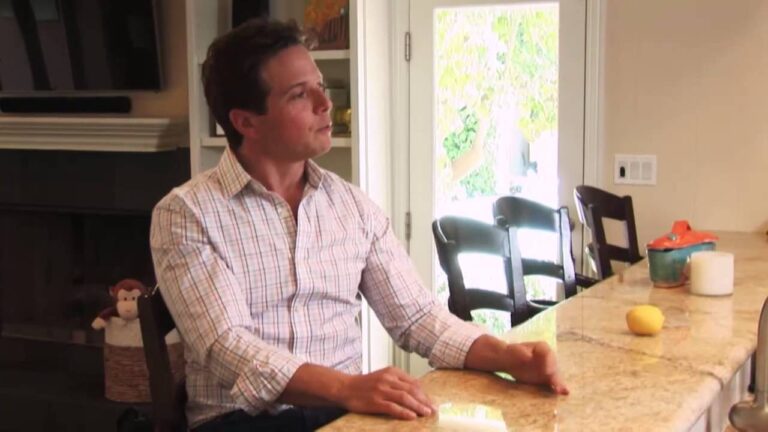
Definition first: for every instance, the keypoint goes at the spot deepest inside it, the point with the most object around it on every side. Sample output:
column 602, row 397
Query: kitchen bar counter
column 685, row 378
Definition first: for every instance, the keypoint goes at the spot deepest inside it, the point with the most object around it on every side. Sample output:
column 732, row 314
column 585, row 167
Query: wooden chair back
column 456, row 235
column 515, row 213
column 168, row 395
column 593, row 205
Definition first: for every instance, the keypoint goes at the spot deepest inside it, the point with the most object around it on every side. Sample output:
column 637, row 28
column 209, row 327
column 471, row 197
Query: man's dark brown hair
column 232, row 72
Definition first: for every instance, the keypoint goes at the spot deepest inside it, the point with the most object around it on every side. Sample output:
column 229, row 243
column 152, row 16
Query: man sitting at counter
column 263, row 260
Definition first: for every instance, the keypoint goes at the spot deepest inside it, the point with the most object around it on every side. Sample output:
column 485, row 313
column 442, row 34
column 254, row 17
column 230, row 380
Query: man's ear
column 245, row 122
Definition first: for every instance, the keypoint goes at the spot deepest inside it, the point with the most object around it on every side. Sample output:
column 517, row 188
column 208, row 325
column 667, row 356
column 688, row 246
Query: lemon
column 645, row 320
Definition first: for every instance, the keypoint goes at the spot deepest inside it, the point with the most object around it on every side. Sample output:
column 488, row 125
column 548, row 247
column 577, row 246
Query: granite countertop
column 618, row 381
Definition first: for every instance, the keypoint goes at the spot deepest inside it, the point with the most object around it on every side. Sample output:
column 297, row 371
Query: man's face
column 297, row 125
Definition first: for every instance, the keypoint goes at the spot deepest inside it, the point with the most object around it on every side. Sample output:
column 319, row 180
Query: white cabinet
column 207, row 19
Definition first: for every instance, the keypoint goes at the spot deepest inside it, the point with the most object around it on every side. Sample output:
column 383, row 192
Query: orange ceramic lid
column 681, row 236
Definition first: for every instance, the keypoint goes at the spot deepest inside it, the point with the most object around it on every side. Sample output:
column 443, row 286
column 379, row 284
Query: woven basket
column 126, row 378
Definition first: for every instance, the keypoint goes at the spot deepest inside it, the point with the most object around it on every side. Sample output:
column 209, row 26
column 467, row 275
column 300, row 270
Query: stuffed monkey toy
column 125, row 293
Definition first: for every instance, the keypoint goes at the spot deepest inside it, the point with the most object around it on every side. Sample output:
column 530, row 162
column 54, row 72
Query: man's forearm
column 487, row 353
column 527, row 362
column 314, row 385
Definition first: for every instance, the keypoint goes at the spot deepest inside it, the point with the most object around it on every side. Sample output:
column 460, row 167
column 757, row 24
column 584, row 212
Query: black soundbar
column 66, row 105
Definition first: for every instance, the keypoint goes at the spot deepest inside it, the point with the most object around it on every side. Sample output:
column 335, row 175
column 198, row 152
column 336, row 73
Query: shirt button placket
column 302, row 274
column 289, row 227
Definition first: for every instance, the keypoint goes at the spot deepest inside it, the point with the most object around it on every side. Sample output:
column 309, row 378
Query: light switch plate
column 634, row 169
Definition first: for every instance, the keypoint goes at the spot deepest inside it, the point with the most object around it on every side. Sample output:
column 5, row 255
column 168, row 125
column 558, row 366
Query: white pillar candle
column 712, row 273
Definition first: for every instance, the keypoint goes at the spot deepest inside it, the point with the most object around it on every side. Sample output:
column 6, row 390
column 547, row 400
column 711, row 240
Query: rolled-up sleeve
column 211, row 312
column 410, row 312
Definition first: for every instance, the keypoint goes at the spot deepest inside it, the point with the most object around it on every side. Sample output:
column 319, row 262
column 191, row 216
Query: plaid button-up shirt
column 255, row 293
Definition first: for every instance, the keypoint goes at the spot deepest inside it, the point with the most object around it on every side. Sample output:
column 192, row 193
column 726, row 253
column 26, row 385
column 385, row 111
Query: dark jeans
column 293, row 419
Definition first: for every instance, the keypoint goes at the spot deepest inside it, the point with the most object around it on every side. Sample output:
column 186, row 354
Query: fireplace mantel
column 112, row 134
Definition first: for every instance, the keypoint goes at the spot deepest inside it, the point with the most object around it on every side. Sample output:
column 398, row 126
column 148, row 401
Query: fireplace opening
column 71, row 225
column 56, row 268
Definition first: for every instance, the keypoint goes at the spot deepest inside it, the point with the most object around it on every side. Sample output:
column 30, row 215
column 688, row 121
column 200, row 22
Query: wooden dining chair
column 593, row 205
column 515, row 213
column 168, row 395
column 457, row 235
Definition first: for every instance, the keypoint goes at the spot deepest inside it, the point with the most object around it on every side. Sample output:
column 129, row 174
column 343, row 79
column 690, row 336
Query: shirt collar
column 315, row 174
column 234, row 178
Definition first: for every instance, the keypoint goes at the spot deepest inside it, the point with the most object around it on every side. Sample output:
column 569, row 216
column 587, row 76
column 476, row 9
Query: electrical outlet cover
column 634, row 169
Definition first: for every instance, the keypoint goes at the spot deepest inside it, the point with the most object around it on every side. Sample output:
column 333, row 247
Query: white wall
column 687, row 80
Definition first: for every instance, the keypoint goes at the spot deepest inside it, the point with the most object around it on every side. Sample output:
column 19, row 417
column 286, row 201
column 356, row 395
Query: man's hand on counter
column 527, row 362
column 387, row 391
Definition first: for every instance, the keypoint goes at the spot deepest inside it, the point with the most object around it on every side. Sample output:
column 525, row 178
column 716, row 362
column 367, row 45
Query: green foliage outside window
column 484, row 54
column 481, row 181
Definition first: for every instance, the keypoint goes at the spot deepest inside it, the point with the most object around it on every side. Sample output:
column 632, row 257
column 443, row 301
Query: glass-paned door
column 496, row 106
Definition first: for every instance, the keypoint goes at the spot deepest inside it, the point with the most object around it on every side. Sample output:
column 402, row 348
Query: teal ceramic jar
column 668, row 255
column 668, row 266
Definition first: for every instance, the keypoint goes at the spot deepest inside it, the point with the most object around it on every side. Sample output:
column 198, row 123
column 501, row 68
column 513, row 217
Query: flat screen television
column 71, row 46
